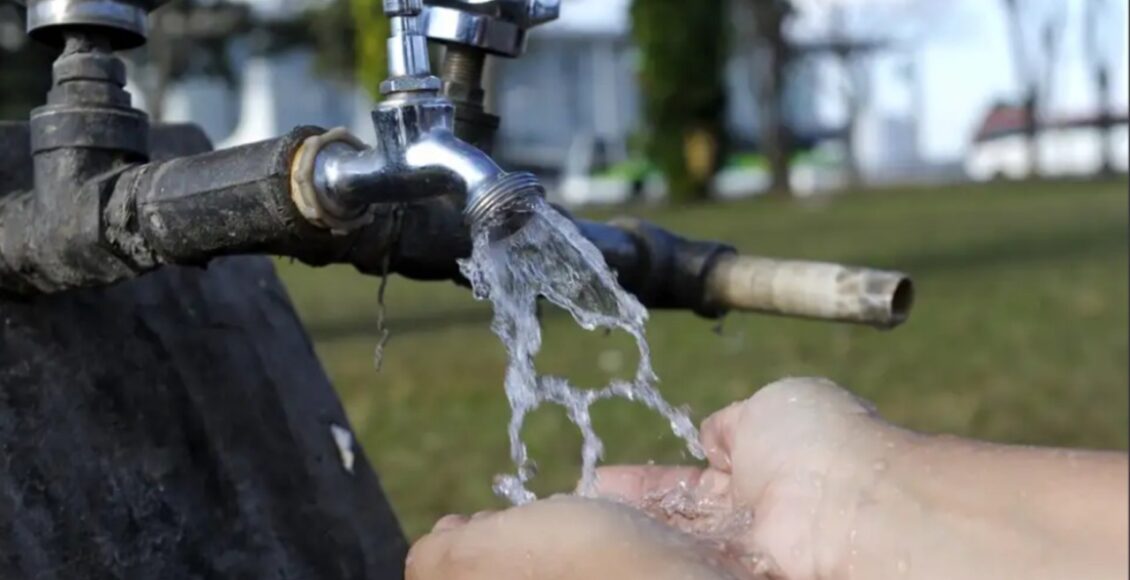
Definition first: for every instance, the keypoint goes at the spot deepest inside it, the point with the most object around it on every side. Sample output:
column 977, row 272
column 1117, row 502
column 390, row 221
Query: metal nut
column 524, row 13
column 411, row 85
column 402, row 7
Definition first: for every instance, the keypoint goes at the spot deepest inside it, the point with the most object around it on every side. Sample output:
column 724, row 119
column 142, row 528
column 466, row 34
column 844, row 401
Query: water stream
column 548, row 257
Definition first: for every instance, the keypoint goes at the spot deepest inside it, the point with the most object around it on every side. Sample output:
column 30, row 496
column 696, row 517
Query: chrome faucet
column 417, row 154
column 93, row 195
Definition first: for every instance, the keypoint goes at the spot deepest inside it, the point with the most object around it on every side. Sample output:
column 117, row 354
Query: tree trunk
column 774, row 132
column 1106, row 124
column 1032, row 132
column 854, row 105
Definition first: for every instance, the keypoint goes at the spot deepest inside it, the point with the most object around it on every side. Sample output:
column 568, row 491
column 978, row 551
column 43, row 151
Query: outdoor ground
column 1019, row 335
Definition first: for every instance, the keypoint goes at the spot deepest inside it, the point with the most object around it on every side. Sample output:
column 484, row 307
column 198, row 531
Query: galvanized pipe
column 811, row 290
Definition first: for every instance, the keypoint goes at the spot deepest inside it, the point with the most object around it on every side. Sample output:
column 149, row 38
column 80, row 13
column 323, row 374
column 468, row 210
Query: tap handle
column 497, row 27
column 409, row 69
column 403, row 7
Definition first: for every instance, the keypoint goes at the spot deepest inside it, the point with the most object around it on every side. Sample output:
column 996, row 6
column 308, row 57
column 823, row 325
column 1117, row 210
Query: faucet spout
column 442, row 152
column 417, row 156
column 349, row 180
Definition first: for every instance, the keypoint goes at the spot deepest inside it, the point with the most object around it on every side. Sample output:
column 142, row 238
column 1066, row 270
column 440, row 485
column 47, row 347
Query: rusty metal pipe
column 811, row 290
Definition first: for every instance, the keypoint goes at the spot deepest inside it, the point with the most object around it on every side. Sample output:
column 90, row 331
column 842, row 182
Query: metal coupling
column 502, row 197
column 409, row 68
column 336, row 182
column 498, row 27
column 122, row 22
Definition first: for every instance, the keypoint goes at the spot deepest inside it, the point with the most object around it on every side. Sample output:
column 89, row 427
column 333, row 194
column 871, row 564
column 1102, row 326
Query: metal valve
column 471, row 30
column 122, row 23
column 494, row 26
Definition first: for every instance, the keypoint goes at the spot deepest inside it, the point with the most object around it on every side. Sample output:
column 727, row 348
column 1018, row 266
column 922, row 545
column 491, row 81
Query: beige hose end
column 812, row 290
column 305, row 195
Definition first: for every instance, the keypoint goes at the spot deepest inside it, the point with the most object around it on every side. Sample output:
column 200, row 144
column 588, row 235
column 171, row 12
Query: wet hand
column 564, row 538
column 805, row 481
column 790, row 472
column 787, row 471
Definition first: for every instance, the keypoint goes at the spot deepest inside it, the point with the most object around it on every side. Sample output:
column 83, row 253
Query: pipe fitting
column 336, row 181
column 811, row 290
column 317, row 208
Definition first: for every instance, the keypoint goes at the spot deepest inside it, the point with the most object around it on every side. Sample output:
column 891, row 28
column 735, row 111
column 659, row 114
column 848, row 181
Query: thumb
column 635, row 483
column 719, row 432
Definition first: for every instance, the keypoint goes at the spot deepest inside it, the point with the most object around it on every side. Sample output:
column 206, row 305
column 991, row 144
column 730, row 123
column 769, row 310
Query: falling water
column 548, row 257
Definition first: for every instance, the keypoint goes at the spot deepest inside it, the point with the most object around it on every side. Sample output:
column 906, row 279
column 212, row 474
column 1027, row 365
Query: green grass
column 1019, row 335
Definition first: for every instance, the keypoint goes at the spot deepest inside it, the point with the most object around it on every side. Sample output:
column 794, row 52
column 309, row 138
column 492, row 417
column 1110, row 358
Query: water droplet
column 880, row 466
column 903, row 567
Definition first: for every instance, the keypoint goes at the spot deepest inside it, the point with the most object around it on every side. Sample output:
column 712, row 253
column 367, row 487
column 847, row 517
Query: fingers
column 563, row 537
column 633, row 484
column 455, row 521
column 811, row 395
column 718, row 434
column 450, row 523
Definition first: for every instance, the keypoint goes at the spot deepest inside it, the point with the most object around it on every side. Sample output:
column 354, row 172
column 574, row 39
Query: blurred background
column 979, row 145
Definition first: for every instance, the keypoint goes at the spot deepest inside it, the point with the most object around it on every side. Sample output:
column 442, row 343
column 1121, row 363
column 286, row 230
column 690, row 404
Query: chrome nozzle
column 506, row 194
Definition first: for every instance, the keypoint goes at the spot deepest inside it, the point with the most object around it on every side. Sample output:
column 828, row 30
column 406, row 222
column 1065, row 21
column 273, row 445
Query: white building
column 1067, row 147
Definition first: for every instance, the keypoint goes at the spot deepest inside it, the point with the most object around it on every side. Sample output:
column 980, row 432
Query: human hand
column 800, row 459
column 805, row 481
column 797, row 454
column 564, row 538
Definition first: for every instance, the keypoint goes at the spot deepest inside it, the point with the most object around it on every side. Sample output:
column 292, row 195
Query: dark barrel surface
column 179, row 426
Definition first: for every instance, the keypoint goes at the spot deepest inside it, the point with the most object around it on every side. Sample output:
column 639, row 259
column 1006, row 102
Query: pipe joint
column 417, row 157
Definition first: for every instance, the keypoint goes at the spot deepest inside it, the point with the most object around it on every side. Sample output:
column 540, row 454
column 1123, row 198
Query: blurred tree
column 853, row 48
column 852, row 36
column 349, row 39
column 25, row 67
column 195, row 38
column 370, row 37
column 1101, row 49
column 1035, row 65
column 188, row 38
column 684, row 53
column 763, row 22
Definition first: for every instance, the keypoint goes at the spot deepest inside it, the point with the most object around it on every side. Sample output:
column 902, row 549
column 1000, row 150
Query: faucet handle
column 403, row 7
column 498, row 27
column 540, row 12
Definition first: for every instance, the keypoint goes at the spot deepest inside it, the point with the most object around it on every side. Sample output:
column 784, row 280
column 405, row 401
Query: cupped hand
column 789, row 470
column 564, row 538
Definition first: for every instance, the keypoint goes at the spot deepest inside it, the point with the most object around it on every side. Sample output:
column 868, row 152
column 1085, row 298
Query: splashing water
column 547, row 256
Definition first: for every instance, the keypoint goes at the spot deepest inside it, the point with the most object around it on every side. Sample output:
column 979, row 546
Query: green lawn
column 1019, row 335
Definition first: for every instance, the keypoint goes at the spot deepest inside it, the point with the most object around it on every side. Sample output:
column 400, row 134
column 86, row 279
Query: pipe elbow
column 350, row 179
column 490, row 194
column 468, row 169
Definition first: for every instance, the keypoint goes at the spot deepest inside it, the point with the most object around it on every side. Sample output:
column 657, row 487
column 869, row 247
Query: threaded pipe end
column 464, row 66
column 502, row 197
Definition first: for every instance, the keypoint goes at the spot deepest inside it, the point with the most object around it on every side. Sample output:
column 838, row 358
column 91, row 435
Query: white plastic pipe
column 811, row 290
